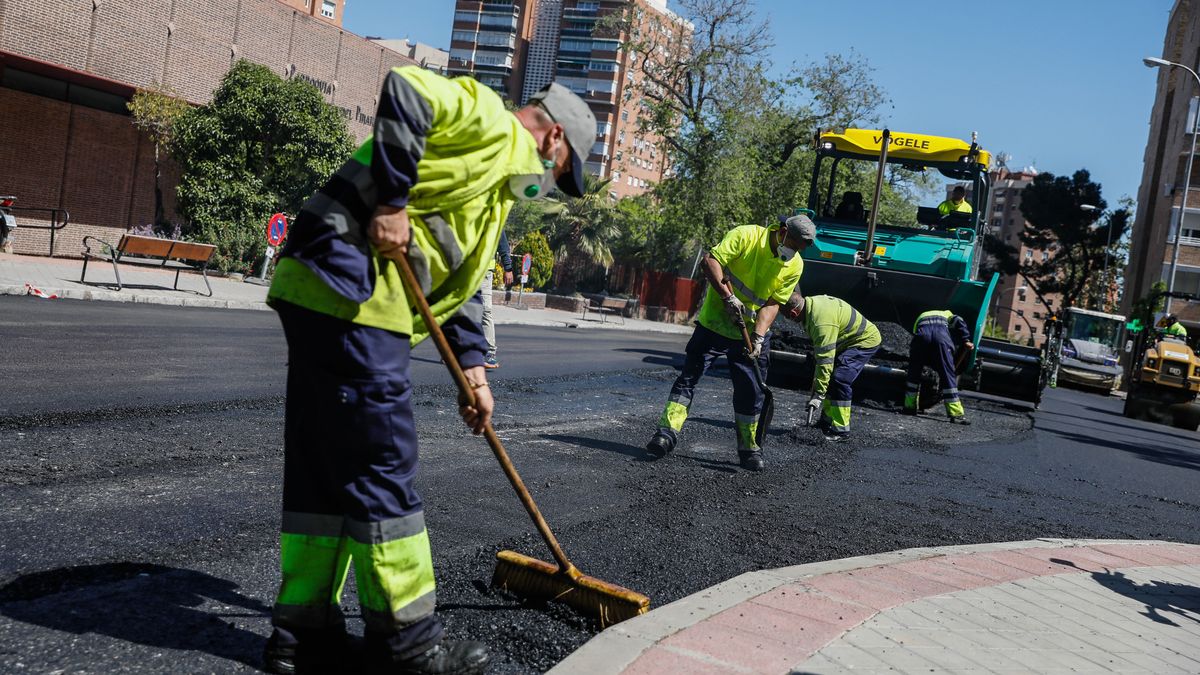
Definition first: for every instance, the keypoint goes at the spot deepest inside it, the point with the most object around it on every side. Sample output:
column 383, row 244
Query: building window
column 328, row 8
column 624, row 115
column 1045, row 256
column 1028, row 253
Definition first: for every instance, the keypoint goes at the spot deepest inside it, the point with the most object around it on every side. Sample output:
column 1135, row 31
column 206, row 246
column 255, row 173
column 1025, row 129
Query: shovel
column 768, row 407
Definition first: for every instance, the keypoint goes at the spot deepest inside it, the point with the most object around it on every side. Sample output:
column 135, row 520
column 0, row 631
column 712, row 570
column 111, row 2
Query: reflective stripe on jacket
column 756, row 274
column 833, row 325
column 954, row 323
column 442, row 148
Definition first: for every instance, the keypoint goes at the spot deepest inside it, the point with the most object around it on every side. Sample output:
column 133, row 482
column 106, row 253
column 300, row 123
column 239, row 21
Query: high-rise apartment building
column 1161, row 216
column 1016, row 309
column 519, row 47
column 490, row 41
column 329, row 10
column 543, row 48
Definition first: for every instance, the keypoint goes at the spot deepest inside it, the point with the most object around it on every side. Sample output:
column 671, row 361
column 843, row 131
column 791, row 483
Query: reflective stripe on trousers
column 835, row 411
column 350, row 459
column 702, row 350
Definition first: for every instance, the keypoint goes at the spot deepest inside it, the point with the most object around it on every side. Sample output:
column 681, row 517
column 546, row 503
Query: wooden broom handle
column 464, row 387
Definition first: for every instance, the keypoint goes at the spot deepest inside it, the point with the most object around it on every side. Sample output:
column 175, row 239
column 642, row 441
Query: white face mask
column 534, row 186
column 785, row 253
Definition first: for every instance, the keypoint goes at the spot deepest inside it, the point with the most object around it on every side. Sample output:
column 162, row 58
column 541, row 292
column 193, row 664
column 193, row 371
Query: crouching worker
column 433, row 185
column 750, row 273
column 843, row 342
column 938, row 337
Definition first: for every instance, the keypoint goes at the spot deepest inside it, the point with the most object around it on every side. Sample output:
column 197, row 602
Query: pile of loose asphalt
column 666, row 528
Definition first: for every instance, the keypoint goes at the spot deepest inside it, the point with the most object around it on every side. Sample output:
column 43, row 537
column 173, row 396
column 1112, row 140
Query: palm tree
column 582, row 230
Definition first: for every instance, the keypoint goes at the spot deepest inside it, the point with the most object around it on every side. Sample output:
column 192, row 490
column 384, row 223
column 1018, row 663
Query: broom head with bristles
column 538, row 580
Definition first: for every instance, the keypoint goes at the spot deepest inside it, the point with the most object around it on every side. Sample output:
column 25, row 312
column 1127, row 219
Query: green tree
column 583, row 228
column 155, row 112
column 738, row 143
column 263, row 145
column 1076, row 240
column 542, row 264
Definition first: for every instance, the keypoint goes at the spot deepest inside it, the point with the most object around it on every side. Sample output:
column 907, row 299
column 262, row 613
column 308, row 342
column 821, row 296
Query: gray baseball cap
column 566, row 108
column 801, row 227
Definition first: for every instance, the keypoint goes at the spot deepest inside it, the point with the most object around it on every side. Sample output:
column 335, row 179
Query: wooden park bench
column 152, row 252
column 606, row 305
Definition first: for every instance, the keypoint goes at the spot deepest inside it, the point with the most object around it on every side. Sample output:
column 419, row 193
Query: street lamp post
column 1153, row 62
column 1107, row 252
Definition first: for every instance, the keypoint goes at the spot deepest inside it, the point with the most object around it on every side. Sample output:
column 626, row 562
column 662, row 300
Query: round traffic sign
column 526, row 264
column 277, row 229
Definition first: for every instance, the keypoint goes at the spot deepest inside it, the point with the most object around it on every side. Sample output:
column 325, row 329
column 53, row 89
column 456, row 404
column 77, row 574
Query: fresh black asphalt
column 140, row 461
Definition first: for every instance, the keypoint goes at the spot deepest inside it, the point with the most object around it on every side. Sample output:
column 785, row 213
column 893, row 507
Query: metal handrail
column 55, row 224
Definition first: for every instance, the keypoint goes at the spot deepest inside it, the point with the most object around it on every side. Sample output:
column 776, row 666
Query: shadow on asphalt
column 147, row 604
column 1183, row 459
column 657, row 357
column 1146, row 427
column 638, row 453
column 1160, row 597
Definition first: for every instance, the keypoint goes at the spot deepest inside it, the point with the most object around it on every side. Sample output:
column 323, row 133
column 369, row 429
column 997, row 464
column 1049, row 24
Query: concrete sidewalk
column 60, row 276
column 1042, row 606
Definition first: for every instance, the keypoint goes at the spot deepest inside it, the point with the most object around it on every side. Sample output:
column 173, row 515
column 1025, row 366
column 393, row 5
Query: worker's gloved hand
column 736, row 309
column 814, row 403
column 477, row 416
column 756, row 343
column 969, row 346
column 390, row 231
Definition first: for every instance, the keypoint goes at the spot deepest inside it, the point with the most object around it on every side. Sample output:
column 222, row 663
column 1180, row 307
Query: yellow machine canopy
column 921, row 148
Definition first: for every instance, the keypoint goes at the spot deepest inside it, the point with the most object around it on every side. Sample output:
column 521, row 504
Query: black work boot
column 960, row 419
column 662, row 443
column 751, row 460
column 448, row 657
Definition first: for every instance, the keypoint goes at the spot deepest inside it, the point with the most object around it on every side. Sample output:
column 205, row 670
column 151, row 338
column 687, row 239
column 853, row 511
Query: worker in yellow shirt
column 433, row 186
column 750, row 274
column 957, row 202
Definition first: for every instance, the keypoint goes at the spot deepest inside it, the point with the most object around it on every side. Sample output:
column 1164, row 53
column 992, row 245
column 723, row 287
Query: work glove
column 756, row 344
column 736, row 309
column 814, row 405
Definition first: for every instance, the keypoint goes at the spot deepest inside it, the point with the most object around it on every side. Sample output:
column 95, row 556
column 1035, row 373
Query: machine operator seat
column 851, row 207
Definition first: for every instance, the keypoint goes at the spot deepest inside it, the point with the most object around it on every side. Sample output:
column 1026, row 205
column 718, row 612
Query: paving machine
column 1164, row 377
column 1091, row 345
column 893, row 273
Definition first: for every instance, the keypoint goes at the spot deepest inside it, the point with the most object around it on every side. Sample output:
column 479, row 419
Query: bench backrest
column 614, row 303
column 137, row 245
column 133, row 244
column 186, row 250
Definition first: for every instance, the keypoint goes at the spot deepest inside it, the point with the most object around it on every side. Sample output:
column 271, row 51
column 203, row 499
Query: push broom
column 519, row 574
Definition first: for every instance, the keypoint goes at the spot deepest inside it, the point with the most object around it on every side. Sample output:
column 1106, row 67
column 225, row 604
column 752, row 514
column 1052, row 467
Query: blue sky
column 1055, row 83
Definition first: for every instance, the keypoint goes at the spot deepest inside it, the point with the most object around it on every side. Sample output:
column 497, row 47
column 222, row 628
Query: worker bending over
column 843, row 342
column 433, row 185
column 750, row 273
column 939, row 336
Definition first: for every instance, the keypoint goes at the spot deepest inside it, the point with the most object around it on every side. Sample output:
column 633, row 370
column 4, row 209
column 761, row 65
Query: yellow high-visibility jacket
column 444, row 149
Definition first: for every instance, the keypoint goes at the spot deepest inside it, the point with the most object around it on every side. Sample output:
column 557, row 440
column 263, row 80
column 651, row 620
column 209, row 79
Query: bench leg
column 204, row 276
column 116, row 273
column 84, row 273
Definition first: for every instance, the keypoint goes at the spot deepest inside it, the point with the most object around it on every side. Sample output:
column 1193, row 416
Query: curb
column 115, row 296
column 618, row 647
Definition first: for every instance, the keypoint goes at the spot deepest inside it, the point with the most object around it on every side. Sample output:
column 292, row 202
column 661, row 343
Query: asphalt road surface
column 140, row 461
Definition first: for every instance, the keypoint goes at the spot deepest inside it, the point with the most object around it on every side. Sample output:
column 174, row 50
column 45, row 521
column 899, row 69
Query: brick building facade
column 1160, row 219
column 1016, row 309
column 67, row 68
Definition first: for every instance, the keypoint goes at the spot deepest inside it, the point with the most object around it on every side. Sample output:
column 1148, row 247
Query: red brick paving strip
column 785, row 626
